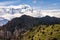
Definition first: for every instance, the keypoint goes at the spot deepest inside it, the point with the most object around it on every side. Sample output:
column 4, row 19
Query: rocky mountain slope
column 27, row 22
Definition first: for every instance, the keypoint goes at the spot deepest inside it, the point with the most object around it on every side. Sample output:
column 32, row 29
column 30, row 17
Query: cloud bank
column 26, row 10
column 52, row 13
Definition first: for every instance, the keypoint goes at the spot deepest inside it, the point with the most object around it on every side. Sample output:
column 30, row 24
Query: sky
column 42, row 4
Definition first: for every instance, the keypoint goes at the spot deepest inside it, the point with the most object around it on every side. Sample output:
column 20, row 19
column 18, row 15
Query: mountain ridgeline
column 27, row 22
column 31, row 28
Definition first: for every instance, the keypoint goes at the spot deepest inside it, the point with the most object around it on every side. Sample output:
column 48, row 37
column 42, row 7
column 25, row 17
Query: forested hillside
column 43, row 32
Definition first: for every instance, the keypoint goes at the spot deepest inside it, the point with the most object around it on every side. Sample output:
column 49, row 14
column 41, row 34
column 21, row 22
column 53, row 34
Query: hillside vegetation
column 43, row 32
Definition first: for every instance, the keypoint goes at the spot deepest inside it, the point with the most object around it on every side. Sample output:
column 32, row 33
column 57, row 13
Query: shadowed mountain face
column 24, row 22
column 27, row 22
column 49, row 20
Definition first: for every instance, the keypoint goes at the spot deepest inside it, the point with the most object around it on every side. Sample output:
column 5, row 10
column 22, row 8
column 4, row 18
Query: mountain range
column 25, row 22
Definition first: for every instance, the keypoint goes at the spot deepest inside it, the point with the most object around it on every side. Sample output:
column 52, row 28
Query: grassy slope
column 43, row 32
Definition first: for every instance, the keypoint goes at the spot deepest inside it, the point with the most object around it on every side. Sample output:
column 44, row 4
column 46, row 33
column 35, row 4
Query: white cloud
column 30, row 12
column 7, row 16
column 10, row 16
column 35, row 13
column 52, row 13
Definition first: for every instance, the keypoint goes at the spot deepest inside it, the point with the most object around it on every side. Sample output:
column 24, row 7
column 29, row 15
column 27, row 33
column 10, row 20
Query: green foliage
column 43, row 32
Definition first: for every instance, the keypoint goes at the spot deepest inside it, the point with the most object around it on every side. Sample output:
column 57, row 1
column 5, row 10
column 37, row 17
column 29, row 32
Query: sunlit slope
column 43, row 32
